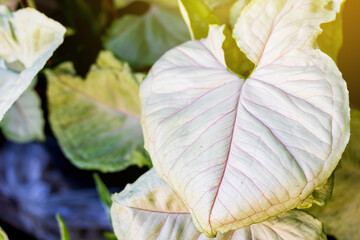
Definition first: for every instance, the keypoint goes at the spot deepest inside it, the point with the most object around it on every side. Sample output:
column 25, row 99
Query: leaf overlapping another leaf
column 24, row 50
column 97, row 120
column 150, row 209
column 239, row 152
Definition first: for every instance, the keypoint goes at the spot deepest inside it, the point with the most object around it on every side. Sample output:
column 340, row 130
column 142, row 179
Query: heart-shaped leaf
column 150, row 209
column 24, row 50
column 236, row 151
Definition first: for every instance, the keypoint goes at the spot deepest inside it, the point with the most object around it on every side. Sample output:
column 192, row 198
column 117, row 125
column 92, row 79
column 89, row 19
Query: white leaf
column 27, row 40
column 149, row 209
column 236, row 151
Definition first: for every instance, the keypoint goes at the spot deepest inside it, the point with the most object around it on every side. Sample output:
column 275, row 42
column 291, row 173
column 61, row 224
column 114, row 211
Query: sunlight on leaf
column 3, row 235
column 64, row 233
column 241, row 151
column 141, row 40
column 96, row 121
column 24, row 50
column 150, row 209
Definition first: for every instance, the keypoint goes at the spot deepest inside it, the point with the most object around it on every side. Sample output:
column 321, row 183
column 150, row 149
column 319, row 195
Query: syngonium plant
column 242, row 124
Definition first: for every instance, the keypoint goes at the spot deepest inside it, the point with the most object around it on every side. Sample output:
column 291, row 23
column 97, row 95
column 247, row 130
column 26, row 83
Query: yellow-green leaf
column 331, row 39
column 96, row 120
column 64, row 233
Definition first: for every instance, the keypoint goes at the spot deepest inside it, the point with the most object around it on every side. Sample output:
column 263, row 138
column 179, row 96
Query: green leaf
column 141, row 40
column 24, row 50
column 3, row 235
column 341, row 214
column 110, row 236
column 96, row 121
column 198, row 18
column 331, row 40
column 63, row 229
column 166, row 3
column 103, row 191
column 24, row 122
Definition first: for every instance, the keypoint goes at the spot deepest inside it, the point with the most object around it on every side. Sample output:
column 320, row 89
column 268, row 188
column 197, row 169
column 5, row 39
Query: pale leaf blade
column 24, row 50
column 96, row 121
column 295, row 24
column 150, row 209
column 251, row 149
column 341, row 214
column 24, row 122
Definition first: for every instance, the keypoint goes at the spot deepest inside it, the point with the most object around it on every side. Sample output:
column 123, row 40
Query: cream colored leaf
column 239, row 152
column 149, row 209
column 24, row 50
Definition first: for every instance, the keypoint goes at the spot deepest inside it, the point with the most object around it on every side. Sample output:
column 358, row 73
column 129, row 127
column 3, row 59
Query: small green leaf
column 63, row 229
column 110, row 236
column 96, row 121
column 141, row 40
column 103, row 191
column 341, row 214
column 3, row 235
column 24, row 122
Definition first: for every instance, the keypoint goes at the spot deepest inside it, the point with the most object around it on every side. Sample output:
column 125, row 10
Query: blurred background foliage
column 109, row 45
